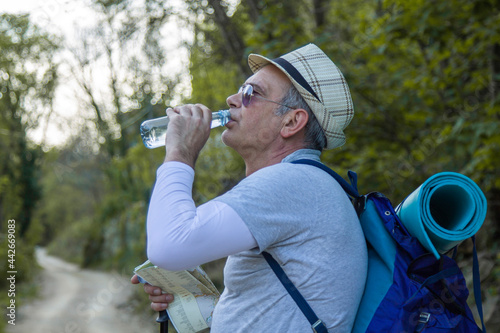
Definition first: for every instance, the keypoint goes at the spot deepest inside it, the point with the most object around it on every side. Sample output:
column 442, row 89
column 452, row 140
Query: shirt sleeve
column 181, row 235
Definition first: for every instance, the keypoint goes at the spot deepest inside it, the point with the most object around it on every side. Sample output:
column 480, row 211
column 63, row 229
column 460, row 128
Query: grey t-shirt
column 303, row 218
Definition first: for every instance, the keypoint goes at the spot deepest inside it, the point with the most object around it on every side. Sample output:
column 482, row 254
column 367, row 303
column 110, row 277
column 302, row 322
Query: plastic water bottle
column 154, row 131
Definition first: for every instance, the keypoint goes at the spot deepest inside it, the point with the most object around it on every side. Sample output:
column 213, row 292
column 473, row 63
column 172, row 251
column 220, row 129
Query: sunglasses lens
column 246, row 95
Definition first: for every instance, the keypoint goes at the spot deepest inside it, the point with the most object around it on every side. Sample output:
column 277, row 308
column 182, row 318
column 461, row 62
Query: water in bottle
column 154, row 131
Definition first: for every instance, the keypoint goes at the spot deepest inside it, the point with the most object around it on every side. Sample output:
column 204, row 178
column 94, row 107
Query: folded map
column 195, row 296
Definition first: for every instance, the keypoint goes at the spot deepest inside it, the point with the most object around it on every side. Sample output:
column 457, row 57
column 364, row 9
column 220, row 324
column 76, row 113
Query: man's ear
column 293, row 122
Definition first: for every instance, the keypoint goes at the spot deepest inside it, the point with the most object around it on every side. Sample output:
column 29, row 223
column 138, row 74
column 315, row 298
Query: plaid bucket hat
column 320, row 83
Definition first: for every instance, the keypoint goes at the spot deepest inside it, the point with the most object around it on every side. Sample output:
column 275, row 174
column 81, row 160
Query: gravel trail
column 74, row 300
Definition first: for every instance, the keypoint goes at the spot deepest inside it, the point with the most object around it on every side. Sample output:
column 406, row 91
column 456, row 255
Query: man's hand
column 188, row 131
column 159, row 301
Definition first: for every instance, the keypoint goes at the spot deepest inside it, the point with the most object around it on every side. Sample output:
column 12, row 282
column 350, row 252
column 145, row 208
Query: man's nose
column 234, row 101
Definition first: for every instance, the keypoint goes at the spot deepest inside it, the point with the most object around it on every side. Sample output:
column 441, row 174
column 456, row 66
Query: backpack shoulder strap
column 316, row 324
column 351, row 189
column 359, row 201
column 477, row 283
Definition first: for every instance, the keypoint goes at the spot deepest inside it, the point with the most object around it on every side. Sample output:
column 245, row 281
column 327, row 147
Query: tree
column 135, row 82
column 122, row 70
column 27, row 83
column 424, row 92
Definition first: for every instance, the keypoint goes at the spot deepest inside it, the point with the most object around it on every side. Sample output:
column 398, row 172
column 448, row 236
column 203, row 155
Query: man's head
column 321, row 85
column 256, row 128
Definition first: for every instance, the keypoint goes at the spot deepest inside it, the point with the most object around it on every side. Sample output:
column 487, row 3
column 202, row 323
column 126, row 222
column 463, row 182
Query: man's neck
column 268, row 158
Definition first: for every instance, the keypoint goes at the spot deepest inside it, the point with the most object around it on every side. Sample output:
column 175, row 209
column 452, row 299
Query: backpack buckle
column 422, row 321
column 424, row 317
column 360, row 204
column 319, row 327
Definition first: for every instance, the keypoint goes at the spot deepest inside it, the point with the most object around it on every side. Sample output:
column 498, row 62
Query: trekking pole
column 163, row 320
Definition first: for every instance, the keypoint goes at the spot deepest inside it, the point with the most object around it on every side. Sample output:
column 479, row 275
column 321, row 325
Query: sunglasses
column 246, row 91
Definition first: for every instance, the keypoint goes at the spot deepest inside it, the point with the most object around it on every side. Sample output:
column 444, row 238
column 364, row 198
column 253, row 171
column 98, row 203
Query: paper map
column 195, row 296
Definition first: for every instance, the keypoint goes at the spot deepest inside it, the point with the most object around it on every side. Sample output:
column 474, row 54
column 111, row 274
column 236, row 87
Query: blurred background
column 78, row 77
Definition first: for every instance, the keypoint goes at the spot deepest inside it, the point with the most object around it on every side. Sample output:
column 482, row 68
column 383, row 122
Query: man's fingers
column 206, row 113
column 152, row 290
column 156, row 295
column 159, row 306
column 160, row 303
column 135, row 279
column 165, row 298
column 197, row 111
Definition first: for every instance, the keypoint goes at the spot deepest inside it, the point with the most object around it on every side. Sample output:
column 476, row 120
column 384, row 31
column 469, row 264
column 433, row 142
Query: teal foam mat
column 442, row 212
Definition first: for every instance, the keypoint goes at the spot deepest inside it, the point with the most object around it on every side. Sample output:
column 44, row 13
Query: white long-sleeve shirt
column 182, row 236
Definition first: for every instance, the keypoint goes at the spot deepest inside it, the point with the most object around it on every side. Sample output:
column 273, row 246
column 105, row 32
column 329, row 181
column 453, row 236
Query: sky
column 58, row 17
column 54, row 15
column 64, row 18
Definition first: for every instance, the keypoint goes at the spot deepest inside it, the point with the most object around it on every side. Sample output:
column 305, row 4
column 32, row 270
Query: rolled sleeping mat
column 442, row 212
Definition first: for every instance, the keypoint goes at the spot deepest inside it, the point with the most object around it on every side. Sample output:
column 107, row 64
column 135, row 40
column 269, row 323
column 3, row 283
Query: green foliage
column 210, row 85
column 27, row 79
column 276, row 32
column 120, row 222
column 218, row 169
column 72, row 190
column 95, row 210
column 422, row 93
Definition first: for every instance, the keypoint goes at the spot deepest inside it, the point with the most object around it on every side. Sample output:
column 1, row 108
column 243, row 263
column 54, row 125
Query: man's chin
column 226, row 137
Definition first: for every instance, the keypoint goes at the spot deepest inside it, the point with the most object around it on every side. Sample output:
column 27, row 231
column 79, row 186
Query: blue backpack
column 408, row 289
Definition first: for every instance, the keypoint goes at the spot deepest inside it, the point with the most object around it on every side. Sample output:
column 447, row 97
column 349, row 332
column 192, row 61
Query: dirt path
column 81, row 301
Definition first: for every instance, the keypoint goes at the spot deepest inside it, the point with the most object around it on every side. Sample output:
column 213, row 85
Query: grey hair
column 314, row 136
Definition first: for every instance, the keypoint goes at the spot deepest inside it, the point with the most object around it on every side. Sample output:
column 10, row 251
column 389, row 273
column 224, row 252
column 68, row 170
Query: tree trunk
column 234, row 44
column 253, row 10
column 320, row 9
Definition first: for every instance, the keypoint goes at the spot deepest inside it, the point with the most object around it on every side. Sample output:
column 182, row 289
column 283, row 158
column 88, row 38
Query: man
column 291, row 108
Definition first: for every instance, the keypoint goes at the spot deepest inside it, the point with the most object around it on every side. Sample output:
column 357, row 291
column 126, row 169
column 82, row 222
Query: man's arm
column 182, row 236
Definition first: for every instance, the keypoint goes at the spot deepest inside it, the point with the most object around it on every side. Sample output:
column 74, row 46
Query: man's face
column 253, row 128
